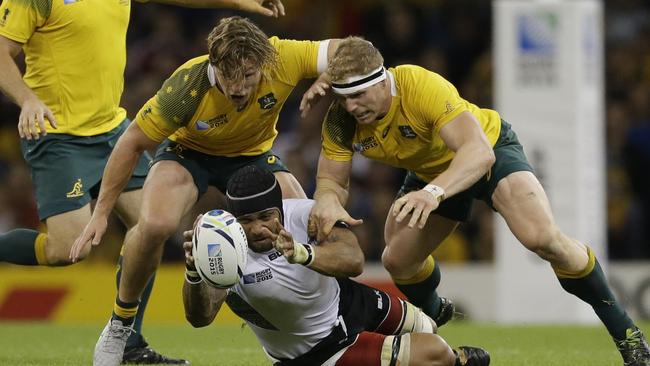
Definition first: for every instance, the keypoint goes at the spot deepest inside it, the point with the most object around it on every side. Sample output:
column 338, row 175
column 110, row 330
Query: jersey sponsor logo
column 365, row 144
column 146, row 112
column 68, row 2
column 407, row 132
column 77, row 190
column 267, row 101
column 449, row 108
column 5, row 14
column 217, row 121
column 261, row 276
column 275, row 255
column 380, row 300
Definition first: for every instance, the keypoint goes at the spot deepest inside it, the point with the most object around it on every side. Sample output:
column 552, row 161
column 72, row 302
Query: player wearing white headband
column 455, row 152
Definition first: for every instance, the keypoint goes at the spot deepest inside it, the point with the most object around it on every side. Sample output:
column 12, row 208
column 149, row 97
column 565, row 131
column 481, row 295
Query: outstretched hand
column 316, row 91
column 271, row 8
column 323, row 217
column 92, row 234
column 419, row 204
column 283, row 241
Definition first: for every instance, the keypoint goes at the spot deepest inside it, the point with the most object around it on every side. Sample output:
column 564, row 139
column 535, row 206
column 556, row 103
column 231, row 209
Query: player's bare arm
column 338, row 255
column 273, row 8
column 332, row 181
column 117, row 173
column 32, row 110
column 201, row 302
column 473, row 159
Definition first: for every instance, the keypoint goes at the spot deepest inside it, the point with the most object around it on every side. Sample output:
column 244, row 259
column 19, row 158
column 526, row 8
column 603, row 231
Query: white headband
column 354, row 84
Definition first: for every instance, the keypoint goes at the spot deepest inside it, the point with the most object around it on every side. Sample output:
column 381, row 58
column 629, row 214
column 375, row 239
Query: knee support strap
column 396, row 350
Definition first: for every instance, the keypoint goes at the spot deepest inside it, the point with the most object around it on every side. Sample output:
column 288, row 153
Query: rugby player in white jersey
column 296, row 296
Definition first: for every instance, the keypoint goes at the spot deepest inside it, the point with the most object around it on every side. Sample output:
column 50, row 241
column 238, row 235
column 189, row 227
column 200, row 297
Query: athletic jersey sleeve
column 297, row 60
column 19, row 19
column 176, row 102
column 432, row 98
column 337, row 133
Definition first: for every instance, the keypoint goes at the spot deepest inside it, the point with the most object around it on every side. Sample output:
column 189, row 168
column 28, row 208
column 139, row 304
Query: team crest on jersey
column 267, row 101
column 365, row 144
column 407, row 132
column 261, row 276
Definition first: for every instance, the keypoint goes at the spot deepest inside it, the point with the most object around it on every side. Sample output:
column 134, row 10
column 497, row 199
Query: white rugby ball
column 220, row 249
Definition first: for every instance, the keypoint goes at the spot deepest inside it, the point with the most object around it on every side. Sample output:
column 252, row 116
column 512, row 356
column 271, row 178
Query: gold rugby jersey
column 75, row 51
column 192, row 112
column 409, row 135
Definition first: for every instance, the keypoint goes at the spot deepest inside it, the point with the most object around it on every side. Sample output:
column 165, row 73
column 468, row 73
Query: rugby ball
column 220, row 249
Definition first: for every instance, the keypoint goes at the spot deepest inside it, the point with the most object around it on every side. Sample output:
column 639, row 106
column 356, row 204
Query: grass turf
column 48, row 344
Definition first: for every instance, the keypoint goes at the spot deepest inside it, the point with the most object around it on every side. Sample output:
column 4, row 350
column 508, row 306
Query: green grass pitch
column 47, row 344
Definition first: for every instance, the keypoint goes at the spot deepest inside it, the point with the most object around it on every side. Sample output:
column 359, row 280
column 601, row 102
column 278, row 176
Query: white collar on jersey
column 211, row 75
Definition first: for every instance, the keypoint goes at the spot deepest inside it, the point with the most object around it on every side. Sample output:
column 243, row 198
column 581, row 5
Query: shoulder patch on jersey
column 43, row 7
column 181, row 94
column 340, row 126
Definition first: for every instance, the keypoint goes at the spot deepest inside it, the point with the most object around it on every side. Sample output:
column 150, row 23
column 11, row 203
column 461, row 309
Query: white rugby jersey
column 288, row 306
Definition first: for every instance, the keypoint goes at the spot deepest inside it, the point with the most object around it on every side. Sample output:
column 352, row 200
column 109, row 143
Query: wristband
column 437, row 192
column 303, row 253
column 192, row 277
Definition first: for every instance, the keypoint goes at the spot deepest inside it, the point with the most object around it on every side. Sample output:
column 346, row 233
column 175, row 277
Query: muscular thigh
column 128, row 207
column 407, row 246
column 63, row 229
column 169, row 192
column 522, row 202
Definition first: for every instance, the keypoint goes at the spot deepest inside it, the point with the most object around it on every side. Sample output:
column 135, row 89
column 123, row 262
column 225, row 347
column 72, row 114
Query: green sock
column 136, row 339
column 593, row 289
column 125, row 311
column 423, row 293
column 17, row 247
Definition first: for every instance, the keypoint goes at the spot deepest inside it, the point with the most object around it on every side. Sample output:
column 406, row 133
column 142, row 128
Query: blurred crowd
column 452, row 38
